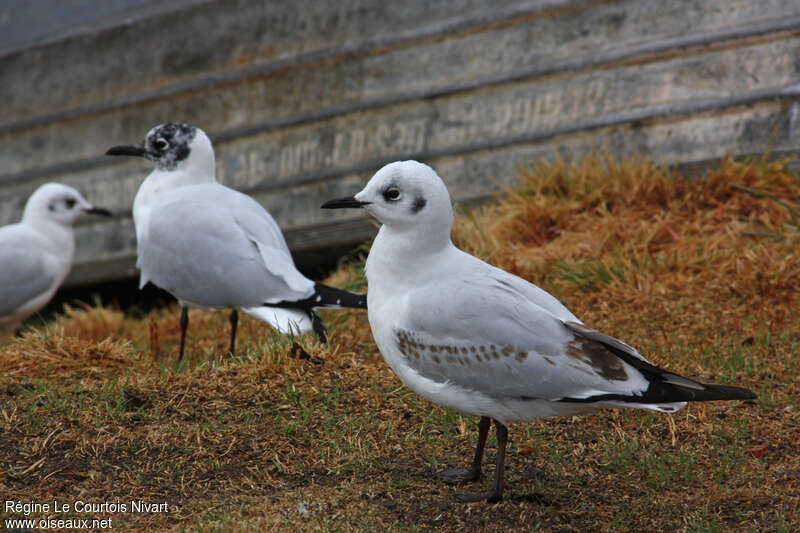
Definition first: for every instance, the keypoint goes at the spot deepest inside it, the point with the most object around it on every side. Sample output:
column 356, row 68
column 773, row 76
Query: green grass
column 95, row 405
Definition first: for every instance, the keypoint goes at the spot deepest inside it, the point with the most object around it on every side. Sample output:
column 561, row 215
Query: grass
column 702, row 276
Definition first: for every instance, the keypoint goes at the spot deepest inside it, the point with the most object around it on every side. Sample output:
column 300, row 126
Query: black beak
column 99, row 211
column 127, row 149
column 339, row 203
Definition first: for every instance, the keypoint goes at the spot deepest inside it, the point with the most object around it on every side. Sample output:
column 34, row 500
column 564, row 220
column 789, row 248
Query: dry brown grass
column 701, row 275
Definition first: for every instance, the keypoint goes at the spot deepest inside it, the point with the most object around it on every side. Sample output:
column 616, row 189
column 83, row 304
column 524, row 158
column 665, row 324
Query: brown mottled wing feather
column 665, row 387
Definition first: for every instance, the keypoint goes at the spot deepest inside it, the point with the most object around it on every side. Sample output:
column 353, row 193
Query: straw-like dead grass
column 701, row 275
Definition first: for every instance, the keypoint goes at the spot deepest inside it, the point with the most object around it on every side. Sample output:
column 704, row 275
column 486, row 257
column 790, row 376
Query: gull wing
column 261, row 229
column 490, row 333
column 198, row 249
column 23, row 275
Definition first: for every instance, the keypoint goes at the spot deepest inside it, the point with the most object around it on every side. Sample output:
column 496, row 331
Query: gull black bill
column 127, row 149
column 340, row 203
column 102, row 211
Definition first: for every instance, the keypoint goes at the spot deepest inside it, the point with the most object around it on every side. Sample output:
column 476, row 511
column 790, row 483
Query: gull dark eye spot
column 70, row 202
column 391, row 194
column 160, row 144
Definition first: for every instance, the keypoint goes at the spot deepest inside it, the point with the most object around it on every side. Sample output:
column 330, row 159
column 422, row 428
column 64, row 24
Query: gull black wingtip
column 102, row 211
column 339, row 203
column 127, row 149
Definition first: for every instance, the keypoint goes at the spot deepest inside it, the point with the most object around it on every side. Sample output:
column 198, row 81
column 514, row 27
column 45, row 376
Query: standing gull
column 36, row 253
column 211, row 246
column 481, row 341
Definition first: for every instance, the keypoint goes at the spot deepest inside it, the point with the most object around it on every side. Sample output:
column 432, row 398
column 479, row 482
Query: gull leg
column 234, row 320
column 18, row 331
column 184, row 324
column 318, row 326
column 459, row 475
column 496, row 494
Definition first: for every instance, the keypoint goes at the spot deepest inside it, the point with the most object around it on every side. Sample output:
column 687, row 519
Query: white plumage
column 212, row 246
column 36, row 253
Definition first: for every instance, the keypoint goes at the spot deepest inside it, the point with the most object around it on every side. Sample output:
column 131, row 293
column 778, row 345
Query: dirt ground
column 702, row 276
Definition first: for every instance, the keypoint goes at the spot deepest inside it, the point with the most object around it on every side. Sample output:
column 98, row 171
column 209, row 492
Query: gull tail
column 667, row 391
column 670, row 398
column 284, row 320
column 323, row 296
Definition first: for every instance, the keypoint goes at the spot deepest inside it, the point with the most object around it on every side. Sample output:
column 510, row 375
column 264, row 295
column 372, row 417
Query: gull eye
column 160, row 144
column 391, row 195
column 70, row 202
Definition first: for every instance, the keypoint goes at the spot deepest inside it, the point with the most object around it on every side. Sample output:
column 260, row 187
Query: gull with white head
column 212, row 246
column 471, row 337
column 36, row 253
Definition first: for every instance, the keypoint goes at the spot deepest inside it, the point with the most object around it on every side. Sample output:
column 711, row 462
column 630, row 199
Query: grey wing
column 517, row 287
column 23, row 275
column 264, row 232
column 197, row 250
column 257, row 220
column 487, row 336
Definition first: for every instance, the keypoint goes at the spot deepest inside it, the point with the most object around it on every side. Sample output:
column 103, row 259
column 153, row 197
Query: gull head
column 404, row 195
column 172, row 147
column 58, row 203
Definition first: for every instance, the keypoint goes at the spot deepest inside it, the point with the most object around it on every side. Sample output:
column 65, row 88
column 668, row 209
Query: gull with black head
column 212, row 246
column 471, row 337
column 36, row 253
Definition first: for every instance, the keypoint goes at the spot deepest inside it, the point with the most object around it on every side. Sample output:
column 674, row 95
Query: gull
column 481, row 341
column 211, row 246
column 36, row 253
